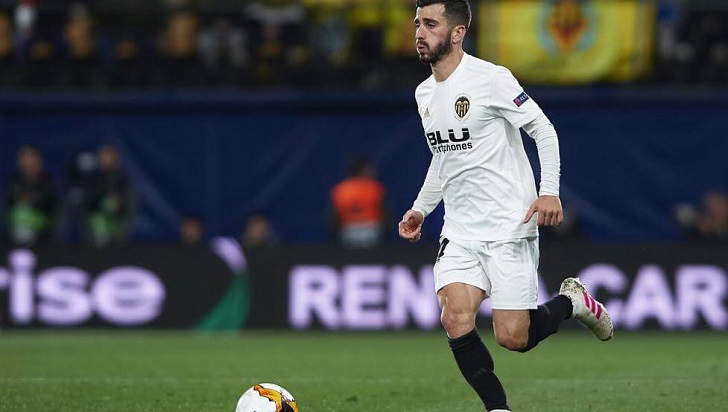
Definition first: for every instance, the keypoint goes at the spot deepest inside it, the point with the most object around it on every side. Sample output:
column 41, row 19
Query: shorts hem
column 438, row 288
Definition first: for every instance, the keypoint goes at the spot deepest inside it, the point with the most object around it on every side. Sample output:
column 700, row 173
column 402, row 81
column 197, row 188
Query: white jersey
column 479, row 167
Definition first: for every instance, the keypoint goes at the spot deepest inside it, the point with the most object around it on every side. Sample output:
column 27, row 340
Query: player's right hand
column 410, row 227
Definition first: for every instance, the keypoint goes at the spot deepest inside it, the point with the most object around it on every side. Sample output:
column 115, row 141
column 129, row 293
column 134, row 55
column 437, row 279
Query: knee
column 513, row 341
column 457, row 323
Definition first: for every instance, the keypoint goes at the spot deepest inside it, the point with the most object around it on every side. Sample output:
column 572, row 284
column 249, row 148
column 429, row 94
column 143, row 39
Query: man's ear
column 458, row 34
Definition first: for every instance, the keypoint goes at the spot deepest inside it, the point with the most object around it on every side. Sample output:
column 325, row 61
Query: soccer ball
column 266, row 397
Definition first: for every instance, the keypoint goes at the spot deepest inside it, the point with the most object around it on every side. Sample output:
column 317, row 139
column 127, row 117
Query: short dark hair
column 360, row 165
column 457, row 12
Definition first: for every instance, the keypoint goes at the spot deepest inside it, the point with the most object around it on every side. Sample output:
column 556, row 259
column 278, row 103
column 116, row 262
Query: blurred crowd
column 707, row 221
column 692, row 43
column 121, row 44
column 96, row 204
column 125, row 44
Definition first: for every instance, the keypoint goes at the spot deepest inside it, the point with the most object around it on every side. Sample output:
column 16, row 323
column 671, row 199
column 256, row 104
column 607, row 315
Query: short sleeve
column 510, row 101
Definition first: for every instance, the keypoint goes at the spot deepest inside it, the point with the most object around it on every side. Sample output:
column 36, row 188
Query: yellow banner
column 568, row 41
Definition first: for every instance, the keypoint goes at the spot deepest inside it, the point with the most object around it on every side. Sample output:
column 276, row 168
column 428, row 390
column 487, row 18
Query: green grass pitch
column 79, row 371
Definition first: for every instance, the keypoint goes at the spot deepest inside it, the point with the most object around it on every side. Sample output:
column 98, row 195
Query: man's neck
column 445, row 66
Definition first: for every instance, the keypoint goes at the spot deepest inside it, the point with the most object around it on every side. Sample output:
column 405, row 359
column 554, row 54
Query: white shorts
column 506, row 269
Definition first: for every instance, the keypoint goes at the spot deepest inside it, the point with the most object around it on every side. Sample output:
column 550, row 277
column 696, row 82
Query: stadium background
column 224, row 110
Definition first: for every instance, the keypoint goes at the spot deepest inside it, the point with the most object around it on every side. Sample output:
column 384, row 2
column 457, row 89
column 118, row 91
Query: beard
column 432, row 56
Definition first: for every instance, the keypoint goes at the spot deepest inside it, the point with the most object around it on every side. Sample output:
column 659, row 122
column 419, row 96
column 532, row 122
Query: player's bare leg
column 459, row 303
column 522, row 330
column 511, row 328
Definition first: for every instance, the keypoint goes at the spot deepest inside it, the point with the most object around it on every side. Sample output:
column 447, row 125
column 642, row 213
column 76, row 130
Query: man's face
column 433, row 36
column 30, row 162
column 109, row 158
column 191, row 231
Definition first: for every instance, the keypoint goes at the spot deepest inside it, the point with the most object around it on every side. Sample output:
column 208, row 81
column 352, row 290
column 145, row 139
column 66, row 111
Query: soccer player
column 471, row 112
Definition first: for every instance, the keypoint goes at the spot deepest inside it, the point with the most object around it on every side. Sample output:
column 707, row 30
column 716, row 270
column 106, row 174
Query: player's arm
column 410, row 227
column 512, row 103
column 548, row 205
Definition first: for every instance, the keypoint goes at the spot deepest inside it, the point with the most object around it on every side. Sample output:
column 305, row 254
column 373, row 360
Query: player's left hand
column 549, row 211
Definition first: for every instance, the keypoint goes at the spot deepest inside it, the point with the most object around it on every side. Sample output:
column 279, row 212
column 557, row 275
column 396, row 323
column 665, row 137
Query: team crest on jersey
column 462, row 107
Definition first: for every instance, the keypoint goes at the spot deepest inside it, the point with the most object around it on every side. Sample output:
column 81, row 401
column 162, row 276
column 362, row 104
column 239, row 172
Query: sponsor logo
column 395, row 296
column 67, row 295
column 452, row 142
